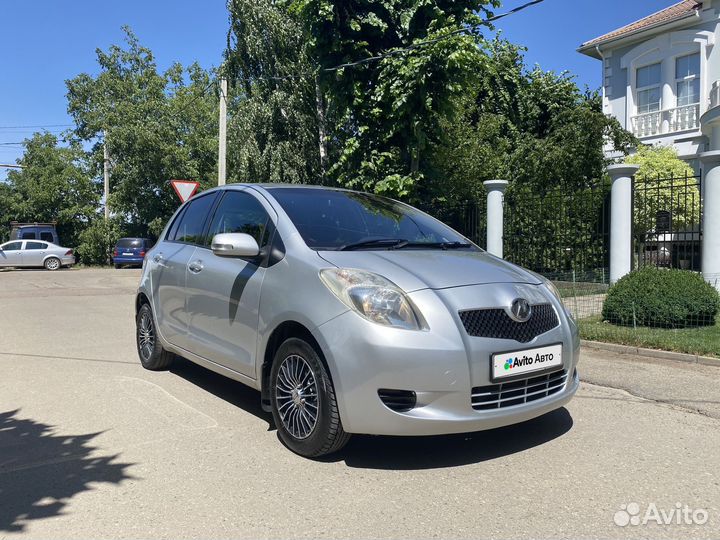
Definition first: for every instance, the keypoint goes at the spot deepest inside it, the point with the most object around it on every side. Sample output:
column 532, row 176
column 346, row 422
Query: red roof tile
column 670, row 14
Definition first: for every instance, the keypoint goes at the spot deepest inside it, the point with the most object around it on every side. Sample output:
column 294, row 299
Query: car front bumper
column 442, row 366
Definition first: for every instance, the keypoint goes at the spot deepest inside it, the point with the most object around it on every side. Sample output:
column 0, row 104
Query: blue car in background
column 130, row 251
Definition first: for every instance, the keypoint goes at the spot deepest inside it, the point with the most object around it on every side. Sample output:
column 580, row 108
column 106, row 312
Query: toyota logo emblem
column 520, row 310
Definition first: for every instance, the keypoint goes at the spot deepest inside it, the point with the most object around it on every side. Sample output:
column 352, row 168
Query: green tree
column 157, row 126
column 273, row 134
column 387, row 113
column 664, row 183
column 54, row 184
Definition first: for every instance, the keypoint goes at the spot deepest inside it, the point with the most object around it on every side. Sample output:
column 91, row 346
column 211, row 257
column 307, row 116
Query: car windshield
column 129, row 243
column 338, row 220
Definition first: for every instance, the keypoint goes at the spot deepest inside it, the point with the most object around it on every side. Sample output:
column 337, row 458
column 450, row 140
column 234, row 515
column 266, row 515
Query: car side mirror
column 234, row 245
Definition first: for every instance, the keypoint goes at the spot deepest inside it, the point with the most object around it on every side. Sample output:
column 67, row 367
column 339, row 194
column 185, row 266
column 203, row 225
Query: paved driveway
column 91, row 445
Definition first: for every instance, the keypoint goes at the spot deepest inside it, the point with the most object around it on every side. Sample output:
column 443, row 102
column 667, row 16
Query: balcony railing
column 667, row 121
column 715, row 95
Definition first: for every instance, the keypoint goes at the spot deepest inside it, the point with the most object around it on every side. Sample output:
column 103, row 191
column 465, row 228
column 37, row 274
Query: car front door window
column 11, row 254
column 223, row 299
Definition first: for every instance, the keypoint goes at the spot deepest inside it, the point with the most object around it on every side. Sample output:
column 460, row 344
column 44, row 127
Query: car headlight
column 556, row 293
column 374, row 297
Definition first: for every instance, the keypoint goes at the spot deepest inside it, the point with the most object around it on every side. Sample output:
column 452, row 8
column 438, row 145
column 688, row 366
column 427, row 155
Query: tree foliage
column 54, row 184
column 157, row 126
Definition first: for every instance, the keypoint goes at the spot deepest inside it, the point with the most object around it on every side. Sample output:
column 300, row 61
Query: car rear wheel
column 151, row 353
column 52, row 263
column 303, row 401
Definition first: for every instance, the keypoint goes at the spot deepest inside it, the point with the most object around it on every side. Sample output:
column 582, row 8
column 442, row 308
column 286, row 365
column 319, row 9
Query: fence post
column 711, row 217
column 621, row 219
column 495, row 190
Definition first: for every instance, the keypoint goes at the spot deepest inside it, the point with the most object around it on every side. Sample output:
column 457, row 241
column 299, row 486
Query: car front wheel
column 303, row 401
column 151, row 353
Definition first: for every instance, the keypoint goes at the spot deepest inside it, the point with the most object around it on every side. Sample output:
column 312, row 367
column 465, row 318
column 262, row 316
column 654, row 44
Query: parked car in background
column 130, row 251
column 34, row 231
column 353, row 313
column 32, row 253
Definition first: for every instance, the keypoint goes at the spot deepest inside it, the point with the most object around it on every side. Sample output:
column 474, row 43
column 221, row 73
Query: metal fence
column 562, row 231
column 667, row 222
column 468, row 218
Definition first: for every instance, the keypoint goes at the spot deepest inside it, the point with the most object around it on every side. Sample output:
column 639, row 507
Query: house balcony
column 651, row 124
column 715, row 95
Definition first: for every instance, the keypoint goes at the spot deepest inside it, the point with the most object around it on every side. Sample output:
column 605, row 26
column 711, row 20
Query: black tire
column 152, row 355
column 326, row 435
column 118, row 266
column 52, row 264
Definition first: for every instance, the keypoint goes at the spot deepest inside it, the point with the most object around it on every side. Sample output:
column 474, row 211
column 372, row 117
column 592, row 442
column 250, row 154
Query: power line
column 37, row 126
column 408, row 48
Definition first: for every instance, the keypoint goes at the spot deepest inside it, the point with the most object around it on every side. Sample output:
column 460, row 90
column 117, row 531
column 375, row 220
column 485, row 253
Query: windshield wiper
column 387, row 243
column 435, row 245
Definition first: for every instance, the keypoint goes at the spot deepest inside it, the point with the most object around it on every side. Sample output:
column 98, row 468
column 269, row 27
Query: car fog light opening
column 398, row 400
column 374, row 297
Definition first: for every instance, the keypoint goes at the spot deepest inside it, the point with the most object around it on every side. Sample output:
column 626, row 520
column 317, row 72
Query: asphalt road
column 93, row 446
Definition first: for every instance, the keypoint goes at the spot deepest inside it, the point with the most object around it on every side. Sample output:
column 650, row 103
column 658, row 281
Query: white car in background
column 34, row 253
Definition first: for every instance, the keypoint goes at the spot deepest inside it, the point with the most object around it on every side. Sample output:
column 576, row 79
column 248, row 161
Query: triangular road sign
column 184, row 188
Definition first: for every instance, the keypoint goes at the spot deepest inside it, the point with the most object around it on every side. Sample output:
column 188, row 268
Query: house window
column 687, row 79
column 648, row 89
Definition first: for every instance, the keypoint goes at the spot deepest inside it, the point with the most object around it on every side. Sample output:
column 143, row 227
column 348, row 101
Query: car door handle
column 196, row 267
column 157, row 258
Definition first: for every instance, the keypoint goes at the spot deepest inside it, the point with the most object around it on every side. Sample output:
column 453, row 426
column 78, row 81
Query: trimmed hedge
column 662, row 298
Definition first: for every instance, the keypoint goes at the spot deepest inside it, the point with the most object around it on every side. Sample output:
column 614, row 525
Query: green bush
column 97, row 241
column 662, row 298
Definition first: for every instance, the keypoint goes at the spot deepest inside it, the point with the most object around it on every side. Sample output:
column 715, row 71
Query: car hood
column 412, row 270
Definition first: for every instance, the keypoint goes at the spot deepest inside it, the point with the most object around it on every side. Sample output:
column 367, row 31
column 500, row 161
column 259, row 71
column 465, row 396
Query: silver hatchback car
column 353, row 313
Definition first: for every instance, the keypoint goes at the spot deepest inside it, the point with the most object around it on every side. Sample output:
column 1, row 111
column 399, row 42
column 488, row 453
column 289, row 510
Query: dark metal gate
column 667, row 222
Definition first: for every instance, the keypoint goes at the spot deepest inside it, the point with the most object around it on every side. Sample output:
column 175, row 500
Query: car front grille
column 496, row 323
column 507, row 394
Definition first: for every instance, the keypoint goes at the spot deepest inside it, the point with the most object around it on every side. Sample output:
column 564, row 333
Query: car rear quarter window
column 36, row 245
column 240, row 212
column 47, row 236
column 191, row 226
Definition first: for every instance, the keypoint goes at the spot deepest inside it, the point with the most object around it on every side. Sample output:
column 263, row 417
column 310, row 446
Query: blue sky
column 45, row 42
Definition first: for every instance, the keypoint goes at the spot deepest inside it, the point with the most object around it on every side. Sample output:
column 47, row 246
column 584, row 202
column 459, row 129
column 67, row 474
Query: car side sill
column 212, row 366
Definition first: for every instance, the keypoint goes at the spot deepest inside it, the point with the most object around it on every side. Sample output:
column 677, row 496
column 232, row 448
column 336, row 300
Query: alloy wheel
column 296, row 396
column 146, row 335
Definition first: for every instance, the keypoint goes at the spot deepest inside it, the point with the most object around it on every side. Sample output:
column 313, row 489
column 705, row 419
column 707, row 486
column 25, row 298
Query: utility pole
column 222, row 135
column 106, row 174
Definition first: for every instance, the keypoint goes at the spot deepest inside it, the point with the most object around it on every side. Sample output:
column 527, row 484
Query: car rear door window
column 192, row 223
column 240, row 212
column 29, row 236
column 35, row 245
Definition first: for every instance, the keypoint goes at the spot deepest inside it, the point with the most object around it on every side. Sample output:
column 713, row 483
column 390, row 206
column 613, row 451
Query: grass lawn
column 704, row 341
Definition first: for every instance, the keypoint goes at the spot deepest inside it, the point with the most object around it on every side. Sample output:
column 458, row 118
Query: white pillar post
column 495, row 195
column 711, row 217
column 621, row 219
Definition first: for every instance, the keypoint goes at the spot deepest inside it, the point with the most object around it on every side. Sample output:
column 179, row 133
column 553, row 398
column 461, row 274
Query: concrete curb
column 652, row 353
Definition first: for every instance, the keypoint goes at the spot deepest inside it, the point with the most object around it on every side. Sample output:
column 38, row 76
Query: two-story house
column 661, row 76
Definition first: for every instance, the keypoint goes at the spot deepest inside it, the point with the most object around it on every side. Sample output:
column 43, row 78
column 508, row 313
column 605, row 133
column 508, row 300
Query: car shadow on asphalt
column 397, row 453
column 41, row 471
column 415, row 453
column 231, row 391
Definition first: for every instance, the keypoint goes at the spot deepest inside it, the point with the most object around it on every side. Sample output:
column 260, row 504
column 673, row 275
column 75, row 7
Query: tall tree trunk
column 322, row 133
